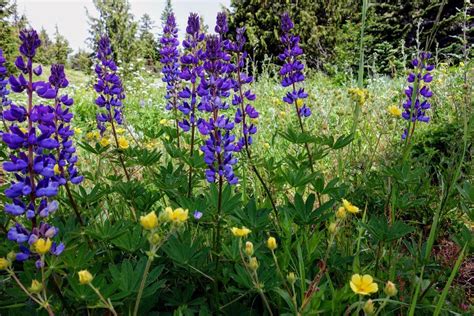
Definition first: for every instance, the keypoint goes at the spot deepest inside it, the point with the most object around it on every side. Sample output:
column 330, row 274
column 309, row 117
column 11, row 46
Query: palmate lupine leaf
column 383, row 232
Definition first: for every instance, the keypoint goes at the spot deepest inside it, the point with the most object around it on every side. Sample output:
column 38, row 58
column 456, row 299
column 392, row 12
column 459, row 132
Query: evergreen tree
column 82, row 61
column 148, row 43
column 8, row 32
column 43, row 55
column 60, row 49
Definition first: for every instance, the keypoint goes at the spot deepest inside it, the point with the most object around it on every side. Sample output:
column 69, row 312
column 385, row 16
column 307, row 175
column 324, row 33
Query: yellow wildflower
column 240, row 232
column 249, row 248
column 85, row 277
column 341, row 212
column 163, row 121
column 266, row 146
column 177, row 216
column 272, row 243
column 23, row 130
column 149, row 221
column 92, row 135
column 77, row 130
column 42, row 246
column 363, row 285
column 120, row 131
column 104, row 142
column 394, row 111
column 282, row 113
column 4, row 264
column 349, row 207
column 123, row 142
column 299, row 102
column 358, row 95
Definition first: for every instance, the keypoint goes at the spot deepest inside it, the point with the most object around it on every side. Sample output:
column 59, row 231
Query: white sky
column 71, row 19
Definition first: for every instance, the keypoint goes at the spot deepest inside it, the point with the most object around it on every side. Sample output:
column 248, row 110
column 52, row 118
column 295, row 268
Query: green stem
column 107, row 303
column 142, row 284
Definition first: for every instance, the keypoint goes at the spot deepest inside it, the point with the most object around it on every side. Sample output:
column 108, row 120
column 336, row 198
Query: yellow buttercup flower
column 77, row 130
column 163, row 121
column 4, row 264
column 282, row 113
column 341, row 212
column 85, row 277
column 104, row 142
column 93, row 135
column 394, row 111
column 349, row 207
column 149, row 221
column 240, row 232
column 177, row 216
column 266, row 146
column 42, row 246
column 123, row 143
column 363, row 285
column 299, row 102
column 57, row 170
column 358, row 95
column 272, row 243
column 120, row 131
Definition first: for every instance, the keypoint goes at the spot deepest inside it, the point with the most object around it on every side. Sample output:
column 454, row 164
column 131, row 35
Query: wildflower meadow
column 209, row 181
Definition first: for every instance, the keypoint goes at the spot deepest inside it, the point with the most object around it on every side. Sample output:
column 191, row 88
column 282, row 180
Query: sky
column 71, row 19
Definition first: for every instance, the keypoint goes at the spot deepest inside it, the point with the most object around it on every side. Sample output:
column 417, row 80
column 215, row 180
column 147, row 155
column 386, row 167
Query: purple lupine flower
column 213, row 89
column 66, row 159
column 292, row 69
column 31, row 139
column 243, row 95
column 109, row 86
column 4, row 101
column 418, row 79
column 170, row 59
column 190, row 71
column 197, row 215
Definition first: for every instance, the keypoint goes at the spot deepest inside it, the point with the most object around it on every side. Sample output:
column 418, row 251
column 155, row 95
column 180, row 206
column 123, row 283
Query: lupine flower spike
column 170, row 59
column 292, row 74
column 4, row 101
column 418, row 93
column 31, row 138
column 190, row 71
column 111, row 93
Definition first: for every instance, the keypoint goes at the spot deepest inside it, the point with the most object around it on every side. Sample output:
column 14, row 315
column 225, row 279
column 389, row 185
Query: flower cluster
column 190, row 71
column 170, row 59
column 109, row 86
column 65, row 168
column 241, row 95
column 213, row 89
column 418, row 92
column 4, row 101
column 33, row 143
column 292, row 69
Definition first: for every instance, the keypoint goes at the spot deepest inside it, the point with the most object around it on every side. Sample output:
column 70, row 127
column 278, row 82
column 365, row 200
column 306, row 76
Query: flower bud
column 253, row 264
column 390, row 289
column 369, row 307
column 291, row 278
column 249, row 248
column 154, row 239
column 332, row 228
column 85, row 277
column 341, row 213
column 35, row 287
column 271, row 243
column 11, row 256
column 4, row 264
